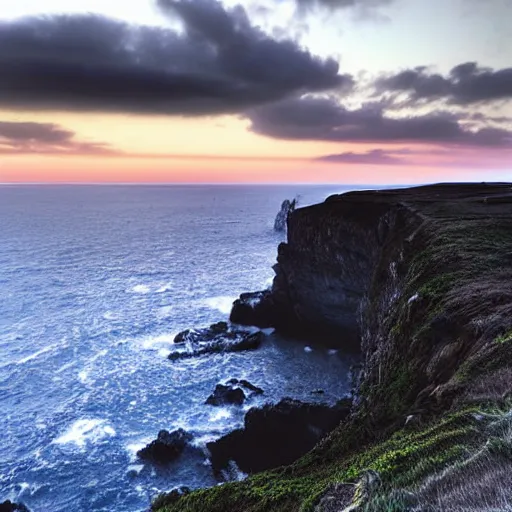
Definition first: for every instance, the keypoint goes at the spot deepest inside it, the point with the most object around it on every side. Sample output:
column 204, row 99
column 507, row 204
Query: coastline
column 422, row 279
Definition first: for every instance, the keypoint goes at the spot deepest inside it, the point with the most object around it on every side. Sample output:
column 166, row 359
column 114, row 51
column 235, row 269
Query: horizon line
column 264, row 184
column 195, row 183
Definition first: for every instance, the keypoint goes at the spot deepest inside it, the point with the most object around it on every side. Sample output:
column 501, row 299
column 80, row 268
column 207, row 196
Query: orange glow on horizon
column 222, row 149
column 36, row 169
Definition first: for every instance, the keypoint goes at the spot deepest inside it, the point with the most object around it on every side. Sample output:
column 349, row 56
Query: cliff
column 420, row 281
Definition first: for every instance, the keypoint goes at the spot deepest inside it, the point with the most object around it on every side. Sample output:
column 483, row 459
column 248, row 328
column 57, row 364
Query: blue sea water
column 95, row 281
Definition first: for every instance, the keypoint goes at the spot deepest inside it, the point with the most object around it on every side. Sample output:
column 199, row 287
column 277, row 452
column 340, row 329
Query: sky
column 271, row 91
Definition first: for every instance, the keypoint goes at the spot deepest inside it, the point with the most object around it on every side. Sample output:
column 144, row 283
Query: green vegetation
column 504, row 338
column 402, row 460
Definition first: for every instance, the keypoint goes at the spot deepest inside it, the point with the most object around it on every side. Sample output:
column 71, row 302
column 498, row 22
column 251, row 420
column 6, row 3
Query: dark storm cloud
column 466, row 84
column 27, row 137
column 373, row 157
column 311, row 118
column 219, row 63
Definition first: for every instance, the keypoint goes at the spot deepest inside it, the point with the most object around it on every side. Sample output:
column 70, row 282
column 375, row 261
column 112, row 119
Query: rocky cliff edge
column 420, row 281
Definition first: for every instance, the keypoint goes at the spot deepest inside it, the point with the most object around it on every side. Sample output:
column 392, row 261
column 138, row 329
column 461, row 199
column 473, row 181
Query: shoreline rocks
column 276, row 435
column 9, row 506
column 233, row 393
column 421, row 279
column 167, row 447
column 254, row 308
column 226, row 395
column 219, row 337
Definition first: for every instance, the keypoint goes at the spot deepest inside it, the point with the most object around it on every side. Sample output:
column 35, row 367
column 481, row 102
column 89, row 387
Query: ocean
column 95, row 282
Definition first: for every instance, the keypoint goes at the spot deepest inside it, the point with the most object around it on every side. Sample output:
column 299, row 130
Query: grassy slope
column 445, row 361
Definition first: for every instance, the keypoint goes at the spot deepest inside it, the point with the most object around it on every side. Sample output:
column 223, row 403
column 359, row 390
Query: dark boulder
column 251, row 387
column 226, row 395
column 9, row 506
column 219, row 328
column 219, row 337
column 204, row 335
column 254, row 308
column 232, row 393
column 167, row 447
column 276, row 435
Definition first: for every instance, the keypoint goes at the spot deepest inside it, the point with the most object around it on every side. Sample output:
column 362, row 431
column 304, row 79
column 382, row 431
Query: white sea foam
column 165, row 311
column 35, row 355
column 99, row 354
column 109, row 315
column 133, row 448
column 136, row 468
column 201, row 441
column 268, row 282
column 65, row 367
column 222, row 303
column 82, row 376
column 308, row 349
column 220, row 414
column 85, row 431
column 141, row 288
column 332, row 352
column 165, row 288
column 159, row 342
column 23, row 486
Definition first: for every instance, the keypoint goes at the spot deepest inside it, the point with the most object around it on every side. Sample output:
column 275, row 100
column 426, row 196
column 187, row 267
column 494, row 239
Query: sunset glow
column 379, row 129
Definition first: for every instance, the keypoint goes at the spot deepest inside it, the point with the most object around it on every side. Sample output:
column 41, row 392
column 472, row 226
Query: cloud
column 373, row 157
column 343, row 4
column 218, row 63
column 44, row 138
column 466, row 84
column 325, row 118
column 469, row 158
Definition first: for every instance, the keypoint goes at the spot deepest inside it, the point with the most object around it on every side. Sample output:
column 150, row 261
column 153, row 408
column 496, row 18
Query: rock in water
column 167, row 447
column 218, row 337
column 254, row 308
column 232, row 393
column 9, row 506
column 251, row 387
column 276, row 435
column 286, row 208
column 226, row 395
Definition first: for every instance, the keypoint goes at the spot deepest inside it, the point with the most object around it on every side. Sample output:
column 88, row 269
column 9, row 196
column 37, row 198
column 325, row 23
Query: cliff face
column 419, row 280
column 324, row 271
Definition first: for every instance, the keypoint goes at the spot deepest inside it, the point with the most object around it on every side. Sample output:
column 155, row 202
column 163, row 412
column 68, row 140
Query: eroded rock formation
column 168, row 446
column 234, row 392
column 9, row 506
column 219, row 337
column 287, row 207
column 275, row 435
